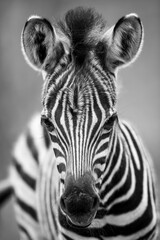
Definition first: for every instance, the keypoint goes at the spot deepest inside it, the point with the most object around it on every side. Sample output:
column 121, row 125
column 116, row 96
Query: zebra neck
column 119, row 175
column 127, row 192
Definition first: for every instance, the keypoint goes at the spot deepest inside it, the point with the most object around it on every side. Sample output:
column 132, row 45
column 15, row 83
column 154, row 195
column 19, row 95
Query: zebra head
column 79, row 58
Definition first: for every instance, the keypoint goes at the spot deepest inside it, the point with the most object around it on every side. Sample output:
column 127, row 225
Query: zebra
column 78, row 171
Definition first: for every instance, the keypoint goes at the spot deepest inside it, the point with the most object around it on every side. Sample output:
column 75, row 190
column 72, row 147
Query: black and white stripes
column 79, row 172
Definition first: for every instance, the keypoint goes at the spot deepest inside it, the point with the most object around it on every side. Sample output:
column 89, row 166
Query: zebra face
column 80, row 142
column 78, row 59
column 80, row 123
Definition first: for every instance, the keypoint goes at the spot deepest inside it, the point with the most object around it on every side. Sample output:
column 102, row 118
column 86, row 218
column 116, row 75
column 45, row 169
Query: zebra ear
column 38, row 41
column 125, row 41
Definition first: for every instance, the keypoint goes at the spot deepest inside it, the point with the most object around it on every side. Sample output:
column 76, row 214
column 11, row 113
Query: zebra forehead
column 81, row 97
column 80, row 94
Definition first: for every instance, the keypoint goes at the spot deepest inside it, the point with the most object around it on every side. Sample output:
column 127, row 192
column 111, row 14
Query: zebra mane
column 84, row 28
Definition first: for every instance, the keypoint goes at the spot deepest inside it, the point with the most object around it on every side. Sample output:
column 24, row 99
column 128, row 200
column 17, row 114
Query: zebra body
column 78, row 171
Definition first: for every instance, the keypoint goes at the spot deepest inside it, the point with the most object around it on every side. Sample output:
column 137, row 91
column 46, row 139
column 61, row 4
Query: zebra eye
column 109, row 123
column 47, row 123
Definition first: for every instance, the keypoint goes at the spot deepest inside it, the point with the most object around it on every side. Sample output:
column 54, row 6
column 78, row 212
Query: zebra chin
column 79, row 202
column 82, row 222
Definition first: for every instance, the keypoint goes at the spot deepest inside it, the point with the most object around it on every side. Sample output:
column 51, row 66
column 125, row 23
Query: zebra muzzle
column 79, row 202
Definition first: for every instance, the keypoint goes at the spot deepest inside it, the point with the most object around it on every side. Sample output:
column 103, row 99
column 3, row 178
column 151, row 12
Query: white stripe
column 20, row 187
column 134, row 152
column 102, row 142
column 22, row 152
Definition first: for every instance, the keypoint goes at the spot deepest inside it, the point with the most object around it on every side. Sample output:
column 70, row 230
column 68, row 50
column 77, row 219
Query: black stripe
column 60, row 141
column 5, row 192
column 47, row 140
column 61, row 167
column 66, row 237
column 100, row 160
column 25, row 231
column 105, row 135
column 28, row 209
column 31, row 145
column 26, row 178
column 62, row 181
column 57, row 153
column 103, row 147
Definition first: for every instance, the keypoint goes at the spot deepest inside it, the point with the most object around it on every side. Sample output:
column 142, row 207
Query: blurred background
column 20, row 86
